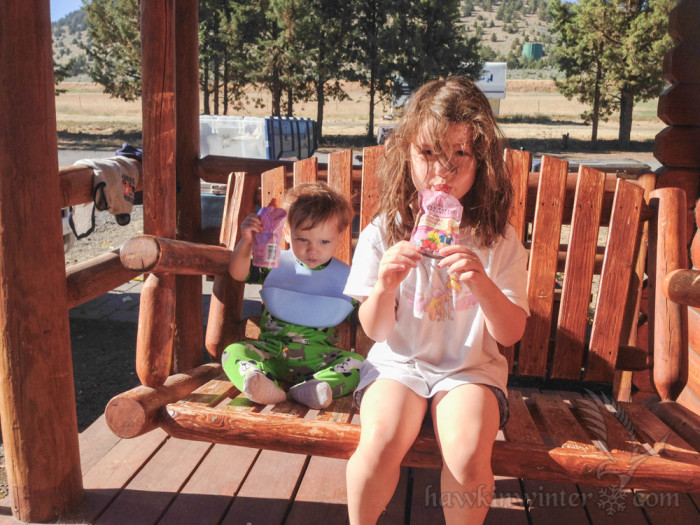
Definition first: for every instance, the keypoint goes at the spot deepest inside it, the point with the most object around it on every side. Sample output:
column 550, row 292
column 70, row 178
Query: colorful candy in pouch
column 438, row 220
column 268, row 243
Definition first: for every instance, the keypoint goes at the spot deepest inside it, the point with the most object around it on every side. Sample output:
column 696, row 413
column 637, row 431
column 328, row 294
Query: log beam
column 90, row 279
column 147, row 253
column 339, row 440
column 135, row 412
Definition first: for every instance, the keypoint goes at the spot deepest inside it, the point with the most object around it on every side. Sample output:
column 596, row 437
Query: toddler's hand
column 396, row 263
column 466, row 264
column 250, row 226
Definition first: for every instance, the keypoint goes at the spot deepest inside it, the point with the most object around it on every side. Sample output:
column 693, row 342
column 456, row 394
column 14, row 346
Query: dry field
column 533, row 115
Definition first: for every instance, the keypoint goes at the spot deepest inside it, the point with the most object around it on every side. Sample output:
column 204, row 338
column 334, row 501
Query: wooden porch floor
column 156, row 479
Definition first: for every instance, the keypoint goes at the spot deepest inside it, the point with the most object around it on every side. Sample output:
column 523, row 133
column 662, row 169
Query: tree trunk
column 290, row 101
column 370, row 124
column 225, row 82
column 626, row 108
column 596, row 102
column 205, row 89
column 217, row 80
column 321, row 100
column 276, row 92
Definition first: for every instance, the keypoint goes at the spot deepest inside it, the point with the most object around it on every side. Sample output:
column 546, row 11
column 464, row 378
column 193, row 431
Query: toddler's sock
column 261, row 389
column 312, row 393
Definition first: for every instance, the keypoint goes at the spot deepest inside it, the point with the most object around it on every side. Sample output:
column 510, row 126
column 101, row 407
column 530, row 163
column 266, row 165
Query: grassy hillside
column 503, row 26
column 69, row 33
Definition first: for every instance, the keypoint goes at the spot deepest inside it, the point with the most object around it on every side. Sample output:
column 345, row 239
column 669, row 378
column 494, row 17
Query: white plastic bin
column 257, row 138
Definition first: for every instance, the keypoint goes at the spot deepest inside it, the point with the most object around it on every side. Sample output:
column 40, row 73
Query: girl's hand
column 467, row 266
column 396, row 263
column 378, row 312
column 249, row 227
column 505, row 320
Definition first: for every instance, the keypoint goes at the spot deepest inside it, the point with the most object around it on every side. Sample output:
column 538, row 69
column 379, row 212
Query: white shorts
column 413, row 379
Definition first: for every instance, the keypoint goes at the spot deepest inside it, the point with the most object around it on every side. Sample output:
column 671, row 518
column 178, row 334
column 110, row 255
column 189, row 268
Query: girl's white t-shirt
column 440, row 329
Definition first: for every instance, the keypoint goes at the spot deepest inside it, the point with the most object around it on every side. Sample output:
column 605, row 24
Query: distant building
column 533, row 50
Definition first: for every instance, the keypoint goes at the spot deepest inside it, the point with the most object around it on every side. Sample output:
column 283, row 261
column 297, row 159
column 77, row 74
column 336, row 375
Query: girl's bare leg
column 391, row 416
column 466, row 423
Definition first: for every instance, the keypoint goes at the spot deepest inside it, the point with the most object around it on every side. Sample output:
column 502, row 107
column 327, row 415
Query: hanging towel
column 114, row 186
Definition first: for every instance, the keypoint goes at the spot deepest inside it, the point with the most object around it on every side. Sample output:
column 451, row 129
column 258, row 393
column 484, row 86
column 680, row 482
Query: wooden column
column 37, row 397
column 189, row 330
column 159, row 184
column 677, row 147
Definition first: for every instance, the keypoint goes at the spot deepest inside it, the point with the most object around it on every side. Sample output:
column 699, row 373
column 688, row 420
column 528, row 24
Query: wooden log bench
column 600, row 249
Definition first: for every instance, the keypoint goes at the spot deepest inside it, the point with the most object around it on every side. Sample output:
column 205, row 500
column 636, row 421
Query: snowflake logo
column 612, row 500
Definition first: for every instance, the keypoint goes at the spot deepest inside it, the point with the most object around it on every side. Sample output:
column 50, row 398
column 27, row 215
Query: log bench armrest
column 149, row 254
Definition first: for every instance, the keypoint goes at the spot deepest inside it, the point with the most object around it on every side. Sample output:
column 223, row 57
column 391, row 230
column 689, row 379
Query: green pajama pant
column 307, row 356
column 338, row 368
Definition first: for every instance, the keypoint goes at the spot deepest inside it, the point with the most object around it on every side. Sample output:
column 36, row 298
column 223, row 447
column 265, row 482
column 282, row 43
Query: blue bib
column 314, row 298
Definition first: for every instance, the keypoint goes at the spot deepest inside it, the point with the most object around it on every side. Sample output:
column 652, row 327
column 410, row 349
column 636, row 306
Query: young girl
column 449, row 363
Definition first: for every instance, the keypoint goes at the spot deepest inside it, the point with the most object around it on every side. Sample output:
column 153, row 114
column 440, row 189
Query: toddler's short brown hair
column 312, row 203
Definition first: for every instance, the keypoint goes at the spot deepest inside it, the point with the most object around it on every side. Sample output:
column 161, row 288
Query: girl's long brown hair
column 434, row 107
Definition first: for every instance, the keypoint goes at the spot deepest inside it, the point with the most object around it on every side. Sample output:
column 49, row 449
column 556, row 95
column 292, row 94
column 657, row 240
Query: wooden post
column 189, row 330
column 677, row 148
column 670, row 339
column 37, row 399
column 159, row 186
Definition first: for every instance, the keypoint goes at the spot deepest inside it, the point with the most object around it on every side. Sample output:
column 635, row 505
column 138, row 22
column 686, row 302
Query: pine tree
column 113, row 28
column 611, row 53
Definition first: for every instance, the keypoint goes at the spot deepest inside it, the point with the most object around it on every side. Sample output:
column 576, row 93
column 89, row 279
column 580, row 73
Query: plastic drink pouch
column 268, row 243
column 437, row 224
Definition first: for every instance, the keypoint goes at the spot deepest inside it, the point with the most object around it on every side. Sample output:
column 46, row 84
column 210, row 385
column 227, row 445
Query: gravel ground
column 108, row 236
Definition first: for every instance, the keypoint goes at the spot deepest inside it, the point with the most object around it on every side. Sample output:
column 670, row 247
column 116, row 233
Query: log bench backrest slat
column 519, row 163
column 618, row 267
column 340, row 178
column 578, row 275
column 370, row 184
column 544, row 250
column 306, row 170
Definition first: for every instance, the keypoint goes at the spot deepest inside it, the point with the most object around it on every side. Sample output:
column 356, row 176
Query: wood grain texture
column 534, row 346
column 615, row 282
column 670, row 336
column 371, row 157
column 340, row 178
column 37, row 398
column 578, row 275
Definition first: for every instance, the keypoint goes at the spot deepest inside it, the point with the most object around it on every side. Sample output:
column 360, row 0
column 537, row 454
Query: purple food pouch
column 437, row 224
column 268, row 243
